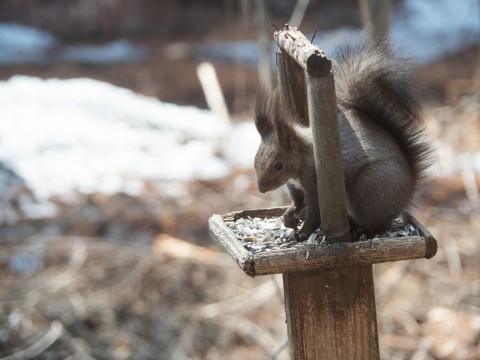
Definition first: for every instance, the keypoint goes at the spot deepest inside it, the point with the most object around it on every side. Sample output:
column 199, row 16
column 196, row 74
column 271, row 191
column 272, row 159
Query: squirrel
column 384, row 149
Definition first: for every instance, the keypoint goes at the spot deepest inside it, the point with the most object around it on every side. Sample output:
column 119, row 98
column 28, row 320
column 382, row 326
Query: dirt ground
column 121, row 277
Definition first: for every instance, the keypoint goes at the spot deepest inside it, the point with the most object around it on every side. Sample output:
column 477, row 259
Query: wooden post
column 291, row 79
column 330, row 313
column 322, row 111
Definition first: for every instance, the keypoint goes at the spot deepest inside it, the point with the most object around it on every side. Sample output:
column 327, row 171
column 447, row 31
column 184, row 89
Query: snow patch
column 63, row 136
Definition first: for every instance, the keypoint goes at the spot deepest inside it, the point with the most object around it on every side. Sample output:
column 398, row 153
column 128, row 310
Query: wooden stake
column 291, row 78
column 331, row 314
column 322, row 110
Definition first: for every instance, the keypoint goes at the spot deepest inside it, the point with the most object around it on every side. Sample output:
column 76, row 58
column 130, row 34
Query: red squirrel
column 384, row 150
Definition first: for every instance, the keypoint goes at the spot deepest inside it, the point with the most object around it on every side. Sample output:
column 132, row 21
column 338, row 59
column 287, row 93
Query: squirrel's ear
column 261, row 113
column 287, row 134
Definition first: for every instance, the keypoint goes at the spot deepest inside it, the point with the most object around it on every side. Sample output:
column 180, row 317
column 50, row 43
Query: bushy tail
column 374, row 80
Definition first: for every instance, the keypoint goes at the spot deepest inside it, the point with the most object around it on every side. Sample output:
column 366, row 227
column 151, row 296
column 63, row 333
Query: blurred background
column 112, row 160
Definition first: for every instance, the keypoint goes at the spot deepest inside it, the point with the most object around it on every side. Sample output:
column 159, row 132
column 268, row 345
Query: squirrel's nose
column 262, row 188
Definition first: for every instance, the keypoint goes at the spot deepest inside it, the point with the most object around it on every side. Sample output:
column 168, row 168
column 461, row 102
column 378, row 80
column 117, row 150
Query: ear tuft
column 262, row 113
column 283, row 123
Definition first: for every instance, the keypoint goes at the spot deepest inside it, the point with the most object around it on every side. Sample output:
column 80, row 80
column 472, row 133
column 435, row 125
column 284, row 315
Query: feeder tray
column 310, row 256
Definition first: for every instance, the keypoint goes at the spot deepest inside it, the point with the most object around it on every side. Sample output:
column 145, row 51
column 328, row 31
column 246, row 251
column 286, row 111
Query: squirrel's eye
column 277, row 166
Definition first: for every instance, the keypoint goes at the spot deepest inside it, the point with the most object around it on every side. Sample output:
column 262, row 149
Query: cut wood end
column 318, row 65
column 310, row 57
column 431, row 247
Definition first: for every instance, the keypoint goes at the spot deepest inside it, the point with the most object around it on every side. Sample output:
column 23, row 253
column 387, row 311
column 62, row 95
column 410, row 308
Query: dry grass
column 99, row 299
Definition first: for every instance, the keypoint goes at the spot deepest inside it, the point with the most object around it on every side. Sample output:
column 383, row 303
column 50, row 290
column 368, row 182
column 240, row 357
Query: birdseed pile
column 266, row 234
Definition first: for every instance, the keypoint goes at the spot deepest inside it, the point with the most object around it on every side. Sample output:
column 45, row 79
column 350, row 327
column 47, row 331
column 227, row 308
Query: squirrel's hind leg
column 376, row 197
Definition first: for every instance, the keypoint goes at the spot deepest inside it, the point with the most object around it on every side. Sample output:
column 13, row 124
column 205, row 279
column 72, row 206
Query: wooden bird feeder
column 329, row 289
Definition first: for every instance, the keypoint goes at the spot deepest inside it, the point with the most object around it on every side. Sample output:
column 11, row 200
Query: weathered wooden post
column 329, row 290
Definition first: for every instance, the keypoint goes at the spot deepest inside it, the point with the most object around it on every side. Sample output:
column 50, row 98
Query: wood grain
column 331, row 314
column 228, row 240
column 340, row 254
column 332, row 195
column 293, row 88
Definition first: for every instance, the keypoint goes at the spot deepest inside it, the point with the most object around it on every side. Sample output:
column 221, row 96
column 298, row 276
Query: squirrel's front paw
column 292, row 216
column 289, row 219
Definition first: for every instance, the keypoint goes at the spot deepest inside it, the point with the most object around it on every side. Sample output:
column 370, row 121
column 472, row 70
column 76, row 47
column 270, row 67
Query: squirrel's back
column 375, row 81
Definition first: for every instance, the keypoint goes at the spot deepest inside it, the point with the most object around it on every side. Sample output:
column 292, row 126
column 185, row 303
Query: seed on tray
column 257, row 234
